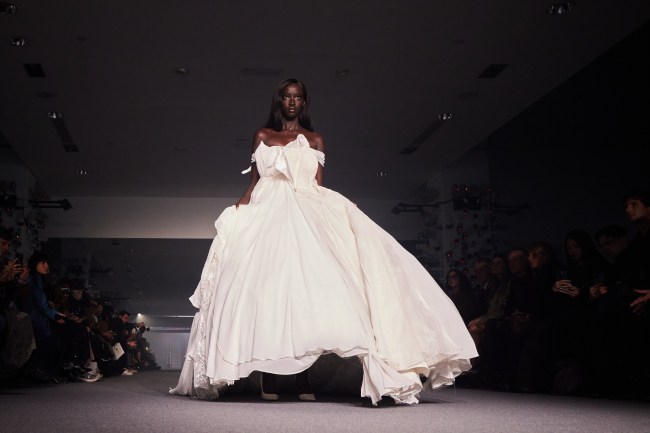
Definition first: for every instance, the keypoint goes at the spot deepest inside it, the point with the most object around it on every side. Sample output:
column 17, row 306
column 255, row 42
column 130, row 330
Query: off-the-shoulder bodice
column 297, row 161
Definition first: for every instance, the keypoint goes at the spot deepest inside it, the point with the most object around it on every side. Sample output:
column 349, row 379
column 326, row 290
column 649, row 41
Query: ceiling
column 144, row 130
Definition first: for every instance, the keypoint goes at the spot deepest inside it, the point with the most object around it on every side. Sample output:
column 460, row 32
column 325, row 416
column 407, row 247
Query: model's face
column 573, row 250
column 43, row 268
column 636, row 211
column 292, row 101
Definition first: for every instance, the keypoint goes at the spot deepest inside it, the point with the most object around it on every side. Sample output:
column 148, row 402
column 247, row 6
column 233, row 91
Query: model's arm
column 255, row 175
column 319, row 145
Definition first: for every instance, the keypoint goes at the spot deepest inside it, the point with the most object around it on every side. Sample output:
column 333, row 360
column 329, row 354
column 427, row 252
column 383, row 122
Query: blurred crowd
column 579, row 326
column 57, row 333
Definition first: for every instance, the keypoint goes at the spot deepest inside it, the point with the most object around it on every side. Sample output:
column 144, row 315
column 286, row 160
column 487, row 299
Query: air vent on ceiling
column 415, row 145
column 493, row 71
column 62, row 130
column 34, row 70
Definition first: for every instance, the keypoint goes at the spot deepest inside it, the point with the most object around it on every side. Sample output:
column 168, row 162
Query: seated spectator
column 513, row 346
column 16, row 334
column 459, row 290
column 499, row 268
column 619, row 320
column 497, row 303
column 486, row 283
column 35, row 303
column 74, row 332
column 568, row 316
column 119, row 326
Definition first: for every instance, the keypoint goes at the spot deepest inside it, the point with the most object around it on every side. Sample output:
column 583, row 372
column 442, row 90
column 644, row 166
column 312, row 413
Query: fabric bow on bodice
column 297, row 162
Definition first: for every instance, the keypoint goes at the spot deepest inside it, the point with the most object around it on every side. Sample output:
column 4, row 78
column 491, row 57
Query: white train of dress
column 300, row 272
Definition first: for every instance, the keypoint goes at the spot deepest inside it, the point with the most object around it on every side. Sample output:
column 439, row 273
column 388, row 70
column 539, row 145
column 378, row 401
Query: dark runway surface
column 141, row 404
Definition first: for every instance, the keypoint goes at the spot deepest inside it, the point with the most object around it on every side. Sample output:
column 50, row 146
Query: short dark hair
column 36, row 258
column 642, row 195
column 611, row 230
column 122, row 313
column 275, row 116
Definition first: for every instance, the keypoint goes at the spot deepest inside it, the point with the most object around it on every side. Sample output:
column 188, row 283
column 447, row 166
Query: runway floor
column 141, row 404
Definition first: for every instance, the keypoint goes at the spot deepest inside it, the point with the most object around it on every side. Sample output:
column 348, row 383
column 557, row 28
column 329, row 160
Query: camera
column 137, row 328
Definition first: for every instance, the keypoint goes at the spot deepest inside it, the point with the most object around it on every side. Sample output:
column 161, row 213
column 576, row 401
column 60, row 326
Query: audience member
column 34, row 302
column 486, row 282
column 16, row 333
column 497, row 302
column 459, row 290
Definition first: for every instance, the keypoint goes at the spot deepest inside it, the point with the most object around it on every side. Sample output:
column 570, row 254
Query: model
column 297, row 270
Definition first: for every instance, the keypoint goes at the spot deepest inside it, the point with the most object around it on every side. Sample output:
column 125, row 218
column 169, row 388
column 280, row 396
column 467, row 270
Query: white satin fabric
column 300, row 272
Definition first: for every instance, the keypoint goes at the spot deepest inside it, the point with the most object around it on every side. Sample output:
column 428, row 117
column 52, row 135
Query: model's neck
column 290, row 125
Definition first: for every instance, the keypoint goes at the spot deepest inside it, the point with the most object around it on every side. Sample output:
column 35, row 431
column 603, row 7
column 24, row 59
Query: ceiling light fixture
column 182, row 71
column 445, row 116
column 560, row 8
column 18, row 42
column 381, row 173
column 55, row 115
column 81, row 172
column 51, row 204
column 344, row 72
column 7, row 8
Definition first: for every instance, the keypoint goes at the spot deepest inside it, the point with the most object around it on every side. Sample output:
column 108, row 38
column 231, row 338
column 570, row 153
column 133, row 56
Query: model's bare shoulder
column 316, row 141
column 261, row 135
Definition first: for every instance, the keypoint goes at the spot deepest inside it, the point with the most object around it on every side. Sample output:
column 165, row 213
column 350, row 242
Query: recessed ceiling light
column 560, row 8
column 7, row 8
column 55, row 115
column 18, row 42
column 343, row 72
column 182, row 71
column 445, row 116
column 81, row 172
column 381, row 173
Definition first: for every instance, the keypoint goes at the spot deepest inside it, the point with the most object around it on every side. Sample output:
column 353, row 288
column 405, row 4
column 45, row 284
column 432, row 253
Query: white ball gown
column 301, row 272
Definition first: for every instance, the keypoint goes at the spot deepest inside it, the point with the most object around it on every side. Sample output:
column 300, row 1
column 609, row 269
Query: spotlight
column 51, row 204
column 445, row 116
column 7, row 8
column 18, row 42
column 55, row 115
column 560, row 8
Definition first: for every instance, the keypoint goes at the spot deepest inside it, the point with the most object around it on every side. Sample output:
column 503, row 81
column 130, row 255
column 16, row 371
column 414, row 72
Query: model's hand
column 243, row 200
column 638, row 305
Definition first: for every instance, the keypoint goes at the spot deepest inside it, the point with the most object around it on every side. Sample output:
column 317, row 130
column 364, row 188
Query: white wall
column 177, row 218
